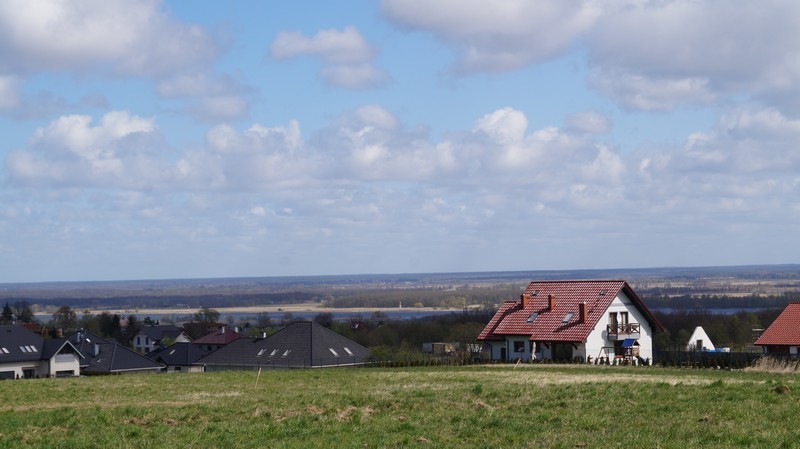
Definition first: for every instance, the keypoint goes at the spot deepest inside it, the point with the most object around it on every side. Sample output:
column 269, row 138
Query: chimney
column 222, row 329
column 551, row 305
column 584, row 315
column 524, row 299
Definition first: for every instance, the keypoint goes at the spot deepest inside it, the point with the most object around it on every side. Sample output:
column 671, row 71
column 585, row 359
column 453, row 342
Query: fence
column 703, row 359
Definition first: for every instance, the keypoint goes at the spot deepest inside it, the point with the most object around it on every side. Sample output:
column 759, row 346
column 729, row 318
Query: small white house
column 25, row 355
column 699, row 341
column 572, row 320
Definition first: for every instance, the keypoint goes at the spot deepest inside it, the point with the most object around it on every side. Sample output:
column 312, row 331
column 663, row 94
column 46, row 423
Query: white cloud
column 130, row 38
column 348, row 56
column 501, row 35
column 9, row 86
column 588, row 122
column 331, row 45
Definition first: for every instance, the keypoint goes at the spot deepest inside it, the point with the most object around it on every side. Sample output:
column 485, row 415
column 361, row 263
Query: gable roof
column 178, row 354
column 221, row 336
column 300, row 344
column 785, row 330
column 19, row 344
column 160, row 332
column 514, row 318
column 102, row 356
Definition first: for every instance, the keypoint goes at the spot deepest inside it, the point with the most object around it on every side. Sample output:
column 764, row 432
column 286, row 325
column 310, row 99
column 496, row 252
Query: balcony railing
column 623, row 330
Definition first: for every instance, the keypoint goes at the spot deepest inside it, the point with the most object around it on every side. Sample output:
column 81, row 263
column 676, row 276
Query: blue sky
column 211, row 139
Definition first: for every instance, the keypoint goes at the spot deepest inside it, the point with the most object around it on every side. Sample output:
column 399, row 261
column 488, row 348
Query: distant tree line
column 735, row 330
column 701, row 302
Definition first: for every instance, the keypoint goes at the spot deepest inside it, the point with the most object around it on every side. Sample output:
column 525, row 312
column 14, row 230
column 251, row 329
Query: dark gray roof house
column 179, row 357
column 303, row 344
column 103, row 356
column 26, row 354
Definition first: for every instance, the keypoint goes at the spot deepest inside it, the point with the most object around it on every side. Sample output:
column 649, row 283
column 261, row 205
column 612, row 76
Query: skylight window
column 3, row 351
column 261, row 352
column 603, row 292
column 533, row 317
column 535, row 292
column 286, row 354
column 333, row 351
column 33, row 349
column 172, row 352
column 567, row 317
column 274, row 351
column 348, row 351
column 23, row 348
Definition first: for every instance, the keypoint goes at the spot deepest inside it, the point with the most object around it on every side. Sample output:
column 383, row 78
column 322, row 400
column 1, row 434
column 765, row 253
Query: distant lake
column 716, row 311
column 400, row 314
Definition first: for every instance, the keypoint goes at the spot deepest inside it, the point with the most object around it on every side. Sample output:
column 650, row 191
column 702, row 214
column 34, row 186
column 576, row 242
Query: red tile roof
column 219, row 337
column 549, row 325
column 785, row 330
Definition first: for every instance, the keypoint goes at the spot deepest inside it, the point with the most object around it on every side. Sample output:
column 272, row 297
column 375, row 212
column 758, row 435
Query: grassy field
column 467, row 407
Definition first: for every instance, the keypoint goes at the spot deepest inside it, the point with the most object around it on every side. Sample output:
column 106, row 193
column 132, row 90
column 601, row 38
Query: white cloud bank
column 644, row 54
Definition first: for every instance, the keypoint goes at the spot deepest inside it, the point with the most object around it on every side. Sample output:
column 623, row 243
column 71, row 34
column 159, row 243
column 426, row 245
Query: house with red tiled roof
column 572, row 320
column 783, row 335
column 217, row 339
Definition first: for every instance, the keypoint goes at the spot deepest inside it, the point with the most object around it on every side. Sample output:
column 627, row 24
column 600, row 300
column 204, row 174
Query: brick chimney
column 524, row 299
column 582, row 313
column 551, row 304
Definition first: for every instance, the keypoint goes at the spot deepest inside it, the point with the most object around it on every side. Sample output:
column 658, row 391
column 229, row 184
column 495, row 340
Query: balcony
column 622, row 331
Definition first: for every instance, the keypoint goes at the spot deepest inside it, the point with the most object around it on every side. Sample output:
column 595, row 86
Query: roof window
column 567, row 317
column 261, row 352
column 533, row 317
column 535, row 292
column 172, row 352
column 274, row 351
column 603, row 292
column 24, row 349
column 348, row 351
column 3, row 351
column 286, row 354
column 333, row 351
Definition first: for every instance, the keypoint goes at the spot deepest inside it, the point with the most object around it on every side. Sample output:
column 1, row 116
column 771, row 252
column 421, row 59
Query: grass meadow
column 498, row 406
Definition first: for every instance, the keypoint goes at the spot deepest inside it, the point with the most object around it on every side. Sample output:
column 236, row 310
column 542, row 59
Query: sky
column 176, row 139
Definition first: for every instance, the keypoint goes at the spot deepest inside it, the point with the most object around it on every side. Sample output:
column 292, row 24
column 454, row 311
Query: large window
column 519, row 346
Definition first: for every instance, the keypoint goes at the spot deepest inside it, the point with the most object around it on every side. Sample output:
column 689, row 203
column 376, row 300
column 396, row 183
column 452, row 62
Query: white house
column 572, row 320
column 151, row 338
column 699, row 341
column 25, row 355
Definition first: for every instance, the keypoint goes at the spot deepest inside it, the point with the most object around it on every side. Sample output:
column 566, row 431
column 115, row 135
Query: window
column 612, row 318
column 3, row 351
column 333, row 351
column 567, row 317
column 274, row 351
column 286, row 354
column 535, row 292
column 33, row 349
column 23, row 349
column 533, row 317
column 519, row 346
column 348, row 351
column 261, row 352
column 623, row 318
column 172, row 352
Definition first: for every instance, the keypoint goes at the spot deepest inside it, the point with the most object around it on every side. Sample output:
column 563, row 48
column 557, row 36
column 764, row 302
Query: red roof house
column 783, row 335
column 217, row 339
column 568, row 320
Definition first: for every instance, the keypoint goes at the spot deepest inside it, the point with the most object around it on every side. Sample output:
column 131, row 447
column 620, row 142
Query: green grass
column 469, row 407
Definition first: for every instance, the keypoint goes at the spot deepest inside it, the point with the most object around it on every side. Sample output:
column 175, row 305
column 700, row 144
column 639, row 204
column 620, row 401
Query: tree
column 324, row 319
column 8, row 315
column 22, row 310
column 206, row 316
column 66, row 319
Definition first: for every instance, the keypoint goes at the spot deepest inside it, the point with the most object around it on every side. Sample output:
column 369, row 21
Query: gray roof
column 178, row 354
column 103, row 356
column 302, row 344
column 160, row 332
column 18, row 344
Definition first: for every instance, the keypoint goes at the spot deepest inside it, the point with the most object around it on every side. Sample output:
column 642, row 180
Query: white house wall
column 699, row 334
column 598, row 337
